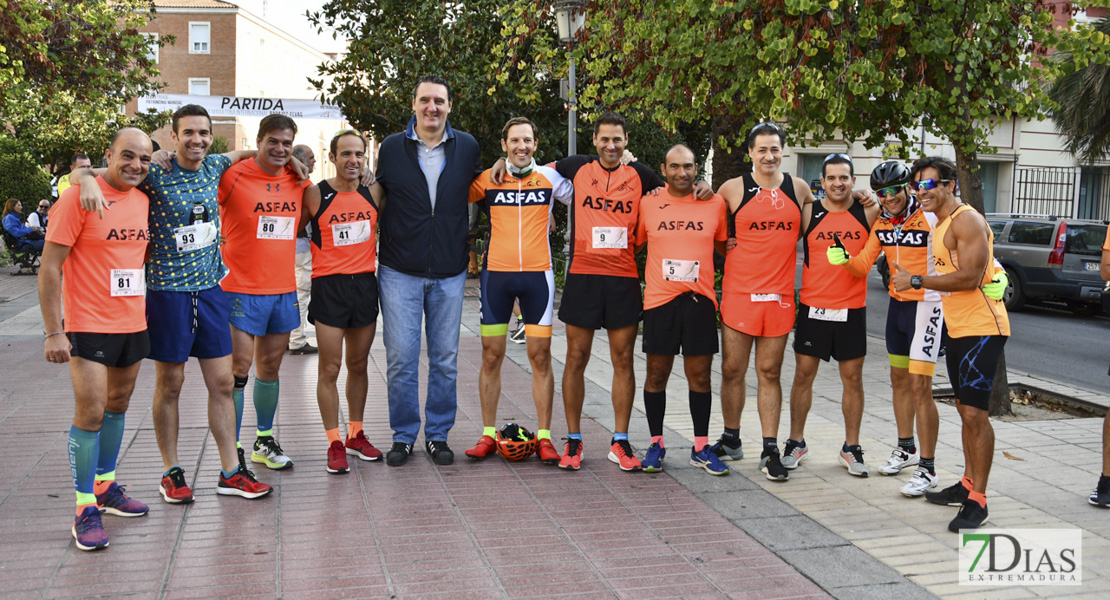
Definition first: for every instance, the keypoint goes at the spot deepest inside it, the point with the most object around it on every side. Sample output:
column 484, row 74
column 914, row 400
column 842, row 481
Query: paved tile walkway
column 498, row 530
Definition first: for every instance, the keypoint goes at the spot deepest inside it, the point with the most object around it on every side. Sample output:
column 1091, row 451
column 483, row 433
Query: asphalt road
column 1044, row 341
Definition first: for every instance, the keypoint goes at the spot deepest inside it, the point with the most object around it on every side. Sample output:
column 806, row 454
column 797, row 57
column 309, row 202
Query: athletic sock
column 578, row 436
column 731, row 437
column 801, row 444
column 166, row 473
column 490, row 431
column 851, row 448
column 228, row 474
column 700, row 405
column 111, row 438
column 353, row 428
column 658, row 439
column 84, row 448
column 966, row 482
column 771, row 444
column 237, row 394
column 655, row 405
column 907, row 445
column 333, row 435
column 1103, row 480
column 700, row 442
column 618, row 437
column 927, row 464
column 265, row 403
column 101, row 485
column 543, row 434
column 977, row 497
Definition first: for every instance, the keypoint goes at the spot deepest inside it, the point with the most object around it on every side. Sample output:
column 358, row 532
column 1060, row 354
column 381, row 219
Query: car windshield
column 1085, row 239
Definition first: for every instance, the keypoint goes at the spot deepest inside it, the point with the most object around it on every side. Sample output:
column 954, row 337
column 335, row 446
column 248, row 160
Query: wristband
column 48, row 335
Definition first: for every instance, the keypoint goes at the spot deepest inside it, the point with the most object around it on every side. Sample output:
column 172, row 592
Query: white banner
column 235, row 106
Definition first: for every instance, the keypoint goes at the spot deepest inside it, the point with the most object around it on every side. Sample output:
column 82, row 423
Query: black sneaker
column 398, row 454
column 725, row 450
column 439, row 451
column 1101, row 495
column 971, row 516
column 953, row 495
column 771, row 465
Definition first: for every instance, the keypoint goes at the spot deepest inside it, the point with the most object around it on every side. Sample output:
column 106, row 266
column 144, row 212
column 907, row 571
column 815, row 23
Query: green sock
column 543, row 434
column 84, row 449
column 490, row 431
column 265, row 403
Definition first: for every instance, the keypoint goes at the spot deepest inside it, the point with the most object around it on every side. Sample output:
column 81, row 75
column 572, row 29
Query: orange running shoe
column 572, row 456
column 621, row 453
column 485, row 447
column 548, row 454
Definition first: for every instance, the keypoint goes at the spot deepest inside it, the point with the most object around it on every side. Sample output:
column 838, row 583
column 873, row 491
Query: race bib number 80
column 610, row 237
column 126, row 282
column 680, row 270
column 275, row 228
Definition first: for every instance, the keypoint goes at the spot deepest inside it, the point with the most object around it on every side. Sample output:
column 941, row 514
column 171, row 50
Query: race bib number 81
column 680, row 270
column 126, row 282
column 610, row 237
column 275, row 228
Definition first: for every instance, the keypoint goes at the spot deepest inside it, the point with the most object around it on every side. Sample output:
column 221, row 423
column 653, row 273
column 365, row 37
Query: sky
column 289, row 15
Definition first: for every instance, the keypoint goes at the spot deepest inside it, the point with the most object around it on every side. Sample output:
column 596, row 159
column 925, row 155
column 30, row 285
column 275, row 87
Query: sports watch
column 916, row 281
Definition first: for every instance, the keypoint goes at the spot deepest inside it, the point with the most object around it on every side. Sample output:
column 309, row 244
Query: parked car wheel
column 1014, row 296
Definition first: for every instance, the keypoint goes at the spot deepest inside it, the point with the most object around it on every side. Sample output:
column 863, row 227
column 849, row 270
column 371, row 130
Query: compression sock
column 333, row 435
column 700, row 405
column 237, row 398
column 353, row 428
column 543, row 434
column 977, row 497
column 907, row 445
column 655, row 405
column 927, row 464
column 265, row 405
column 490, row 431
column 84, row 449
column 578, row 436
column 111, row 438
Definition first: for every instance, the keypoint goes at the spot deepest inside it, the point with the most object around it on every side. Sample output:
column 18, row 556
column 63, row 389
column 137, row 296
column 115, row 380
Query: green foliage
column 219, row 145
column 1082, row 102
column 66, row 68
column 24, row 178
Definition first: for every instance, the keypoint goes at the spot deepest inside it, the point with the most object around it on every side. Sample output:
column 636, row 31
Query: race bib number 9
column 126, row 282
column 680, row 270
column 348, row 234
column 837, row 315
column 610, row 237
column 275, row 228
column 195, row 237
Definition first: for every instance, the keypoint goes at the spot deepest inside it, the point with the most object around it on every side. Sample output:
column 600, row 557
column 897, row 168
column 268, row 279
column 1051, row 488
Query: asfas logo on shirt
column 844, row 235
column 607, row 205
column 908, row 238
column 350, row 216
column 681, row 226
column 275, row 207
column 771, row 225
column 529, row 197
column 125, row 235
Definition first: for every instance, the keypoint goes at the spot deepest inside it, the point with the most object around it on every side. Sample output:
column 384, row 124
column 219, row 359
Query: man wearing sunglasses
column 977, row 326
column 831, row 310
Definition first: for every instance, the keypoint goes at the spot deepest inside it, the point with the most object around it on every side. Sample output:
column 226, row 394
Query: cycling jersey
column 969, row 312
column 343, row 240
column 680, row 233
column 519, row 213
column 766, row 225
column 102, row 278
column 260, row 214
column 603, row 214
column 908, row 244
column 825, row 285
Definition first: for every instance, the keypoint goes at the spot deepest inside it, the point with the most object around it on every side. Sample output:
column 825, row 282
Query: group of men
column 221, row 231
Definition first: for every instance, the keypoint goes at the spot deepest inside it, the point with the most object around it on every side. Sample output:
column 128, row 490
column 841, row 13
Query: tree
column 66, row 68
column 25, row 180
column 1082, row 104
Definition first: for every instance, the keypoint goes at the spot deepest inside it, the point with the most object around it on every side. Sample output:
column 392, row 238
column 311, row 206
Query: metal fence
column 1063, row 191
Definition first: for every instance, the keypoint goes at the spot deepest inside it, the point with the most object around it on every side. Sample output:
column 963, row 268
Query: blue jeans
column 404, row 300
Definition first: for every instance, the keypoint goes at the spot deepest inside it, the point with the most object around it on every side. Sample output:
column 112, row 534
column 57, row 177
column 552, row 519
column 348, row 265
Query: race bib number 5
column 275, row 228
column 680, row 270
column 838, row 315
column 610, row 237
column 348, row 234
column 126, row 282
column 195, row 237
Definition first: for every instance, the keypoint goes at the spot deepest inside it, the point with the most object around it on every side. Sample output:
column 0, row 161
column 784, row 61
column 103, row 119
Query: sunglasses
column 342, row 132
column 767, row 124
column 838, row 155
column 927, row 184
column 890, row 191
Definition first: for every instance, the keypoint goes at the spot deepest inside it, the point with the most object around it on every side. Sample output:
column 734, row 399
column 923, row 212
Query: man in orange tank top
column 832, row 310
column 977, row 327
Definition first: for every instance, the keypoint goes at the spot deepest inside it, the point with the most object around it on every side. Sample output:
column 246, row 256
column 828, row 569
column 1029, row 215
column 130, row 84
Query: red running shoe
column 621, row 453
column 337, row 458
column 242, row 483
column 572, row 457
column 485, row 447
column 174, row 489
column 361, row 447
column 548, row 454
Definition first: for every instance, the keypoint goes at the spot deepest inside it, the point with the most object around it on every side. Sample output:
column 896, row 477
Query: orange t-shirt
column 343, row 240
column 259, row 214
column 680, row 233
column 103, row 290
column 767, row 224
column 969, row 312
column 826, row 285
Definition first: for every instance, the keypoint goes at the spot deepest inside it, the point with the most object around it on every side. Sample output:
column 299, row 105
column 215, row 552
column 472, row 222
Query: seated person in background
column 37, row 220
column 13, row 224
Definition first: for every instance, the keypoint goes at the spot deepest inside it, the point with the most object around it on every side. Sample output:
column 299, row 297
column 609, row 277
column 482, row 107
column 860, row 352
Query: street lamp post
column 571, row 17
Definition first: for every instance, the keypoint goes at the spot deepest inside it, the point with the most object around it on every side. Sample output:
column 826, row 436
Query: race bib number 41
column 348, row 234
column 195, row 237
column 275, row 228
column 610, row 237
column 838, row 315
column 680, row 270
column 126, row 282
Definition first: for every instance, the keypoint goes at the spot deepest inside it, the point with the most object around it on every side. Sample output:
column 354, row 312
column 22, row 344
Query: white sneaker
column 921, row 482
column 900, row 459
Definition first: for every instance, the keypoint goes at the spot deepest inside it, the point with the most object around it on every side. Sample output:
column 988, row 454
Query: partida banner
column 240, row 106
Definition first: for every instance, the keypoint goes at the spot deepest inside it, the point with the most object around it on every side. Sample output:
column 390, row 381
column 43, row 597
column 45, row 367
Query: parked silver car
column 1050, row 258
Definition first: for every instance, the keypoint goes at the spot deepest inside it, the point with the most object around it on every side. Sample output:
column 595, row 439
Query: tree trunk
column 730, row 163
column 971, row 193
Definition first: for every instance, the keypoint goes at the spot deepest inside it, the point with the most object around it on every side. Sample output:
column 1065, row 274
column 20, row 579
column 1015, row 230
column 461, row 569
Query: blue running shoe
column 114, row 502
column 653, row 459
column 707, row 460
column 89, row 531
